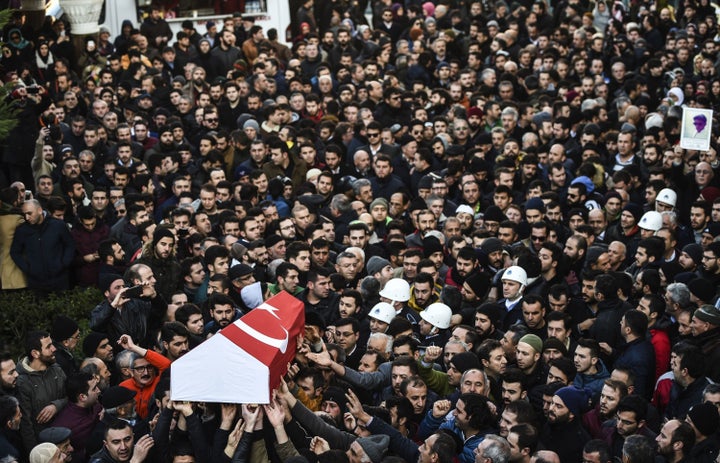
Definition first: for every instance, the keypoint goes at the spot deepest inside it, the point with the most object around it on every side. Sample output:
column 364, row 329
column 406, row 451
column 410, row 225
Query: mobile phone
column 28, row 195
column 134, row 291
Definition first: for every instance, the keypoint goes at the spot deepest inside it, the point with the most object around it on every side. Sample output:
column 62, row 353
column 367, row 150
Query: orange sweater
column 144, row 393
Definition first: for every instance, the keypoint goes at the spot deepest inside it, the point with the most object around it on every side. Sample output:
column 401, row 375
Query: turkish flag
column 244, row 361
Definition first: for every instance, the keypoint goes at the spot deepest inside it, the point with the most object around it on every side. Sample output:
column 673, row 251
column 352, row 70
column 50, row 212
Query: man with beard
column 675, row 440
column 710, row 263
column 612, row 392
column 494, row 363
column 487, row 321
column 575, row 249
column 222, row 311
column 174, row 337
column 112, row 258
column 11, row 415
column 319, row 298
column 160, row 257
column 225, row 54
column 8, row 375
column 563, row 433
column 97, row 345
column 41, row 386
column 466, row 264
column 82, row 411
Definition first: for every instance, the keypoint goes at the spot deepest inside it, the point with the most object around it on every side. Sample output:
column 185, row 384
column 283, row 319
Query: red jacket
column 144, row 394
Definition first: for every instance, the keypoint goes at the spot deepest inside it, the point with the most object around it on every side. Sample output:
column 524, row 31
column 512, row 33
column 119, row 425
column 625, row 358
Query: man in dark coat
column 43, row 249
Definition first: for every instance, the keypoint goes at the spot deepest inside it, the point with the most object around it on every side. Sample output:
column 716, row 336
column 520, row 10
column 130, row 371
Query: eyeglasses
column 146, row 368
column 211, row 120
column 373, row 135
column 537, row 238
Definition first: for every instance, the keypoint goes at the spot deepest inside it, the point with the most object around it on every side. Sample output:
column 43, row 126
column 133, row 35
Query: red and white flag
column 244, row 361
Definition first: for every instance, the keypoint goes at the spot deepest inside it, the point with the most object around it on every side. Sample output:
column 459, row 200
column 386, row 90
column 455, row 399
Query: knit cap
column 533, row 341
column 705, row 418
column 374, row 446
column 574, row 399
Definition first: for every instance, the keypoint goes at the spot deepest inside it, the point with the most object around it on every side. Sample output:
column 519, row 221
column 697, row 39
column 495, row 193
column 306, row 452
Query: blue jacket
column 593, row 382
column 44, row 253
column 431, row 424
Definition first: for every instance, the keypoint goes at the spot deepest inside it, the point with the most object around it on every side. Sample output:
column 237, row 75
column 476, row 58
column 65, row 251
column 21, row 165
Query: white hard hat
column 667, row 196
column 651, row 220
column 515, row 273
column 383, row 311
column 438, row 315
column 397, row 290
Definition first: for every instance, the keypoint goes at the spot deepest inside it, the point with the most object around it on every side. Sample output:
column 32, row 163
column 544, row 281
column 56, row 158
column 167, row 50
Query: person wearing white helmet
column 666, row 200
column 397, row 293
column 650, row 223
column 380, row 317
column 514, row 282
column 434, row 324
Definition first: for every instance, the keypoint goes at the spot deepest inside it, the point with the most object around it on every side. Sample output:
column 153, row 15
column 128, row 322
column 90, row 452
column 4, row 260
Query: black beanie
column 63, row 328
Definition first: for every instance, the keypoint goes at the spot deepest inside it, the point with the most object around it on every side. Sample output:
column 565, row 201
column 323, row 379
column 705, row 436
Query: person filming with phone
column 131, row 306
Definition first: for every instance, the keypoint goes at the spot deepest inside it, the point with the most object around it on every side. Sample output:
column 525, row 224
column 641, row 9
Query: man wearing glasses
column 147, row 367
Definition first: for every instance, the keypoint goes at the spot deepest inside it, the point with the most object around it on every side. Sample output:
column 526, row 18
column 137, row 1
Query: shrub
column 23, row 311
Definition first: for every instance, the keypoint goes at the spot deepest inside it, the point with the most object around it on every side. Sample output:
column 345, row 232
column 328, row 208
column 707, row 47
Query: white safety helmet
column 651, row 220
column 383, row 311
column 438, row 315
column 667, row 196
column 397, row 290
column 515, row 273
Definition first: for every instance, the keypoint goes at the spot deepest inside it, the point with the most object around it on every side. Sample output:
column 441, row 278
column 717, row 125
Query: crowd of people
column 503, row 252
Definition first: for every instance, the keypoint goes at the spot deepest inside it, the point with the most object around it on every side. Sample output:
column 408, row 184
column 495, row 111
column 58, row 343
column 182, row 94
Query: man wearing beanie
column 563, row 433
column 706, row 335
column 65, row 335
column 374, row 446
column 691, row 258
column 529, row 360
column 442, row 383
column 160, row 257
column 705, row 421
column 626, row 229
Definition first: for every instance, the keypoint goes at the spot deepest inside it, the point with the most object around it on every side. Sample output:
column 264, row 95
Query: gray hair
column 499, row 449
column 639, row 449
column 386, row 337
column 510, row 111
column 341, row 203
column 359, row 184
column 679, row 294
column 124, row 359
column 671, row 215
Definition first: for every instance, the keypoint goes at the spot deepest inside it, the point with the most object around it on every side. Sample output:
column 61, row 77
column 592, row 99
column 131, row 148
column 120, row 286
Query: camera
column 32, row 89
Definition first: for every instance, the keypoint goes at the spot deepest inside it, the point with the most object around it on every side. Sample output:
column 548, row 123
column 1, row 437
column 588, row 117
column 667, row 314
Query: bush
column 23, row 312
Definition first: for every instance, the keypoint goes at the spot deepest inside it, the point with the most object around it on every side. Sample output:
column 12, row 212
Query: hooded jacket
column 593, row 382
column 36, row 390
